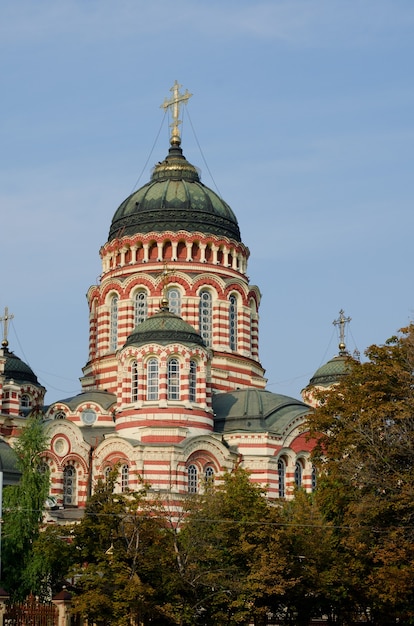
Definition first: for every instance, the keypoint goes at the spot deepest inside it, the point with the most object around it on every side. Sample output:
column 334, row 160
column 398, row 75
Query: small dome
column 331, row 372
column 174, row 200
column 17, row 369
column 255, row 410
column 164, row 327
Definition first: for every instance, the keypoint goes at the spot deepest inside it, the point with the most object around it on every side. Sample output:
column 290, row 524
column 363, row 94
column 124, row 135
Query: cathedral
column 173, row 392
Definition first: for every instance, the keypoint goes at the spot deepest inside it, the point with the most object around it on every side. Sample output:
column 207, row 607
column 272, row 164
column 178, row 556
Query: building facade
column 173, row 391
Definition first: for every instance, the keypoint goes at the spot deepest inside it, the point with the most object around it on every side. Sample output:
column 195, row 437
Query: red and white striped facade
column 149, row 406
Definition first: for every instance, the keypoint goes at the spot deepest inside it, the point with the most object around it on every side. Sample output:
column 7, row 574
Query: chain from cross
column 5, row 321
column 174, row 104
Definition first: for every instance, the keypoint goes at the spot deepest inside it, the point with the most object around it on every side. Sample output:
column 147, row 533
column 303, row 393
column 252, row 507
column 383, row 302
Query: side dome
column 255, row 410
column 164, row 327
column 331, row 372
column 18, row 370
column 174, row 200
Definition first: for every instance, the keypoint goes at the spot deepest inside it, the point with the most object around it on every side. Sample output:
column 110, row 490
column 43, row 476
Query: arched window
column 140, row 307
column 313, row 479
column 152, row 379
column 113, row 329
column 134, row 381
column 206, row 316
column 253, row 327
column 298, row 474
column 60, row 415
column 69, row 486
column 173, row 379
column 209, row 475
column 192, row 479
column 107, row 471
column 43, row 467
column 124, row 478
column 25, row 401
column 281, row 471
column 233, row 322
column 174, row 301
column 192, row 382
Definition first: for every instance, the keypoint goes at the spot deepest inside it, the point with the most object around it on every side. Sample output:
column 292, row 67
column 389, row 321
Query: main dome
column 175, row 199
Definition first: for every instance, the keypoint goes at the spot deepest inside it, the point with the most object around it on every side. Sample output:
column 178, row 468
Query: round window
column 61, row 446
column 88, row 416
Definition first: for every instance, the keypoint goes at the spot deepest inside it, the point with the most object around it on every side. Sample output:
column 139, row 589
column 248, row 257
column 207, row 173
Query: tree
column 365, row 453
column 124, row 553
column 229, row 558
column 23, row 510
column 51, row 560
column 312, row 569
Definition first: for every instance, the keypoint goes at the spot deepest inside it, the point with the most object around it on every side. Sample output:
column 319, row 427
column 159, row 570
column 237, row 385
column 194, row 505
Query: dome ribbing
column 164, row 327
column 174, row 200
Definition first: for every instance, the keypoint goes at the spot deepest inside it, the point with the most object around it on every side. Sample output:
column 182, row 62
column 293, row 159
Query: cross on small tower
column 164, row 298
column 174, row 103
column 5, row 320
column 341, row 322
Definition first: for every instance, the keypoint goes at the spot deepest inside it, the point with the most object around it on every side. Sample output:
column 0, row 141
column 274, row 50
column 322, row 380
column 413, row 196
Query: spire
column 341, row 322
column 5, row 321
column 174, row 104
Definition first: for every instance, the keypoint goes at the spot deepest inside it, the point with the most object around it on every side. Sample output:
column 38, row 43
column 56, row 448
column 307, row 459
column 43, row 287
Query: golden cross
column 5, row 319
column 174, row 104
column 341, row 322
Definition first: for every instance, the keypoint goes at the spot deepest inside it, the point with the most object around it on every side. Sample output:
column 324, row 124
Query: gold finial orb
column 164, row 304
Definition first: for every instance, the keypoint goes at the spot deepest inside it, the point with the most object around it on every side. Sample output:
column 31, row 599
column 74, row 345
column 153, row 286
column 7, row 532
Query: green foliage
column 124, row 553
column 227, row 551
column 51, row 559
column 23, row 511
column 365, row 429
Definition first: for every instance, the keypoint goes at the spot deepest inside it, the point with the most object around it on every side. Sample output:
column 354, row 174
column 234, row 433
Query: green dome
column 255, row 410
column 331, row 372
column 18, row 370
column 164, row 327
column 174, row 200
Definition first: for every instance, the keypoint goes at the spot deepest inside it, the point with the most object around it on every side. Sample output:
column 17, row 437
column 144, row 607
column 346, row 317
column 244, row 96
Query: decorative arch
column 112, row 287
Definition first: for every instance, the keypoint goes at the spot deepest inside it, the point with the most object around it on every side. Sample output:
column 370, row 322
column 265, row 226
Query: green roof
column 255, row 410
column 105, row 399
column 18, row 370
column 332, row 371
column 174, row 200
column 164, row 327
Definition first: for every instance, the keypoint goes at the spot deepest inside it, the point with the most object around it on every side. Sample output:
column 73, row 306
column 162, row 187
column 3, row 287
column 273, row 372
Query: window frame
column 281, row 473
column 174, row 302
column 140, row 306
column 134, row 381
column 153, row 381
column 192, row 478
column 205, row 316
column 192, row 381
column 113, row 323
column 233, row 314
column 173, row 379
column 69, row 483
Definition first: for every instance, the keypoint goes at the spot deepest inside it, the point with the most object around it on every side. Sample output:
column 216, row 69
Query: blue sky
column 302, row 117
